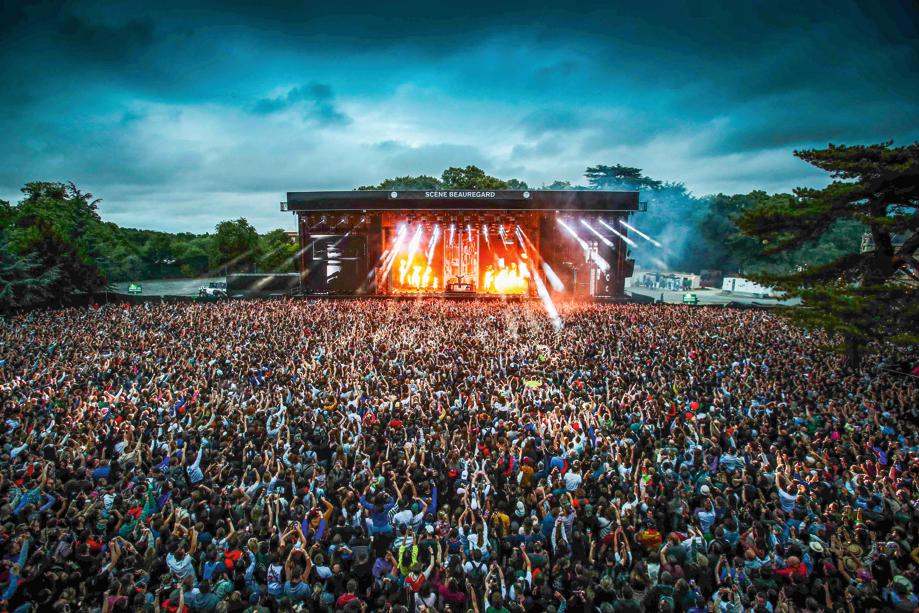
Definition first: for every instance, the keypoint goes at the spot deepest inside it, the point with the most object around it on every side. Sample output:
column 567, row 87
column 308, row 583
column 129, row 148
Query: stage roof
column 460, row 199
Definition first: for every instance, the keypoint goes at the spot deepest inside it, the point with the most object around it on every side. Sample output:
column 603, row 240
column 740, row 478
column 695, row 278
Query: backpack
column 665, row 595
column 478, row 570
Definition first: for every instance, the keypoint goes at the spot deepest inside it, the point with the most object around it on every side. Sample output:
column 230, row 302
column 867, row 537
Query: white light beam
column 605, row 240
column 618, row 233
column 641, row 234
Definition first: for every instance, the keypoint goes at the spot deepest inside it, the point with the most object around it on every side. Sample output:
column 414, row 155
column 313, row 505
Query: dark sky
column 179, row 117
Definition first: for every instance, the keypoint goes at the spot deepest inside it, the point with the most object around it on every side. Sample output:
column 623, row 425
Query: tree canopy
column 863, row 295
column 51, row 231
column 235, row 246
column 278, row 252
column 406, row 183
column 470, row 177
column 53, row 244
column 619, row 177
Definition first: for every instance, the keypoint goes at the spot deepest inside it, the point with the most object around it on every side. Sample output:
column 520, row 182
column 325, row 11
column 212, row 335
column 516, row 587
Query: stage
column 463, row 243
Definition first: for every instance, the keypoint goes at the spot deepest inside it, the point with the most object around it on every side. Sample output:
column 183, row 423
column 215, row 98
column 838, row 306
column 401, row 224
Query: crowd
column 420, row 456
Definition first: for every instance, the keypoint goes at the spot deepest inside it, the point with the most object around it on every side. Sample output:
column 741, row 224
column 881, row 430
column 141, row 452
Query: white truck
column 214, row 290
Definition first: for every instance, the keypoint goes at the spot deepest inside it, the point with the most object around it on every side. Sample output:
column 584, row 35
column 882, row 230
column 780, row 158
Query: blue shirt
column 548, row 523
column 297, row 592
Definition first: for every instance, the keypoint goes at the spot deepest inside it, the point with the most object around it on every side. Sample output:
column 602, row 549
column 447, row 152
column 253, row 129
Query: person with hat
column 257, row 604
column 900, row 594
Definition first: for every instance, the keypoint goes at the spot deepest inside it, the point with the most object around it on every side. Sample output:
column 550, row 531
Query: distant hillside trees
column 53, row 243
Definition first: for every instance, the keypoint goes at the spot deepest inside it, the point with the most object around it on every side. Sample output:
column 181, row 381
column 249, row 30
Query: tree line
column 808, row 243
column 54, row 243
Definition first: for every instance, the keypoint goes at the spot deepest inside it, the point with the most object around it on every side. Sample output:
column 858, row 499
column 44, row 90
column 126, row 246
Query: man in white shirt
column 180, row 563
column 573, row 477
column 411, row 516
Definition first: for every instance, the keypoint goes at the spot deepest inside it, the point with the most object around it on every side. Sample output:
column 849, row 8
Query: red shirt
column 343, row 600
column 788, row 571
column 414, row 585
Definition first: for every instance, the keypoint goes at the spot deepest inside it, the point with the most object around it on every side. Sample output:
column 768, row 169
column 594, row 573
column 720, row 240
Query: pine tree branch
column 909, row 246
column 845, row 268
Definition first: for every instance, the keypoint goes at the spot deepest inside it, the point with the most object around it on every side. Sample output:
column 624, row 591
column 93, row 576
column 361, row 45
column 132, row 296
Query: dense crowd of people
column 420, row 456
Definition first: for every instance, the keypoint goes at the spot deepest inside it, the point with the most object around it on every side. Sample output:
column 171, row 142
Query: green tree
column 559, row 186
column 619, row 177
column 279, row 250
column 470, row 177
column 51, row 227
column 7, row 214
column 115, row 255
column 191, row 253
column 420, row 182
column 235, row 246
column 158, row 252
column 723, row 246
column 24, row 280
column 861, row 295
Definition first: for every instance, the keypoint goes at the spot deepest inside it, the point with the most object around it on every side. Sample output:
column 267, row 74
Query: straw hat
column 903, row 582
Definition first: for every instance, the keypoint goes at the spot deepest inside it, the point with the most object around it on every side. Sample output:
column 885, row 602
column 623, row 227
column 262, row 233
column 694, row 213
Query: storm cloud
column 190, row 114
column 314, row 100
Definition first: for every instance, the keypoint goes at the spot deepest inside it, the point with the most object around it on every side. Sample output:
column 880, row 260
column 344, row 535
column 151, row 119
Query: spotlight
column 628, row 240
column 640, row 233
column 590, row 253
column 541, row 290
column 554, row 281
column 432, row 243
column 605, row 240
column 571, row 231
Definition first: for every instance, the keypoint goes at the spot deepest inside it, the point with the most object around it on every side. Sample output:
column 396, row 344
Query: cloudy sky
column 179, row 117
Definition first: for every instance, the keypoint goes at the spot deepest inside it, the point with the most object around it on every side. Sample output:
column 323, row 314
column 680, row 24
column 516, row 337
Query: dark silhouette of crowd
column 420, row 456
